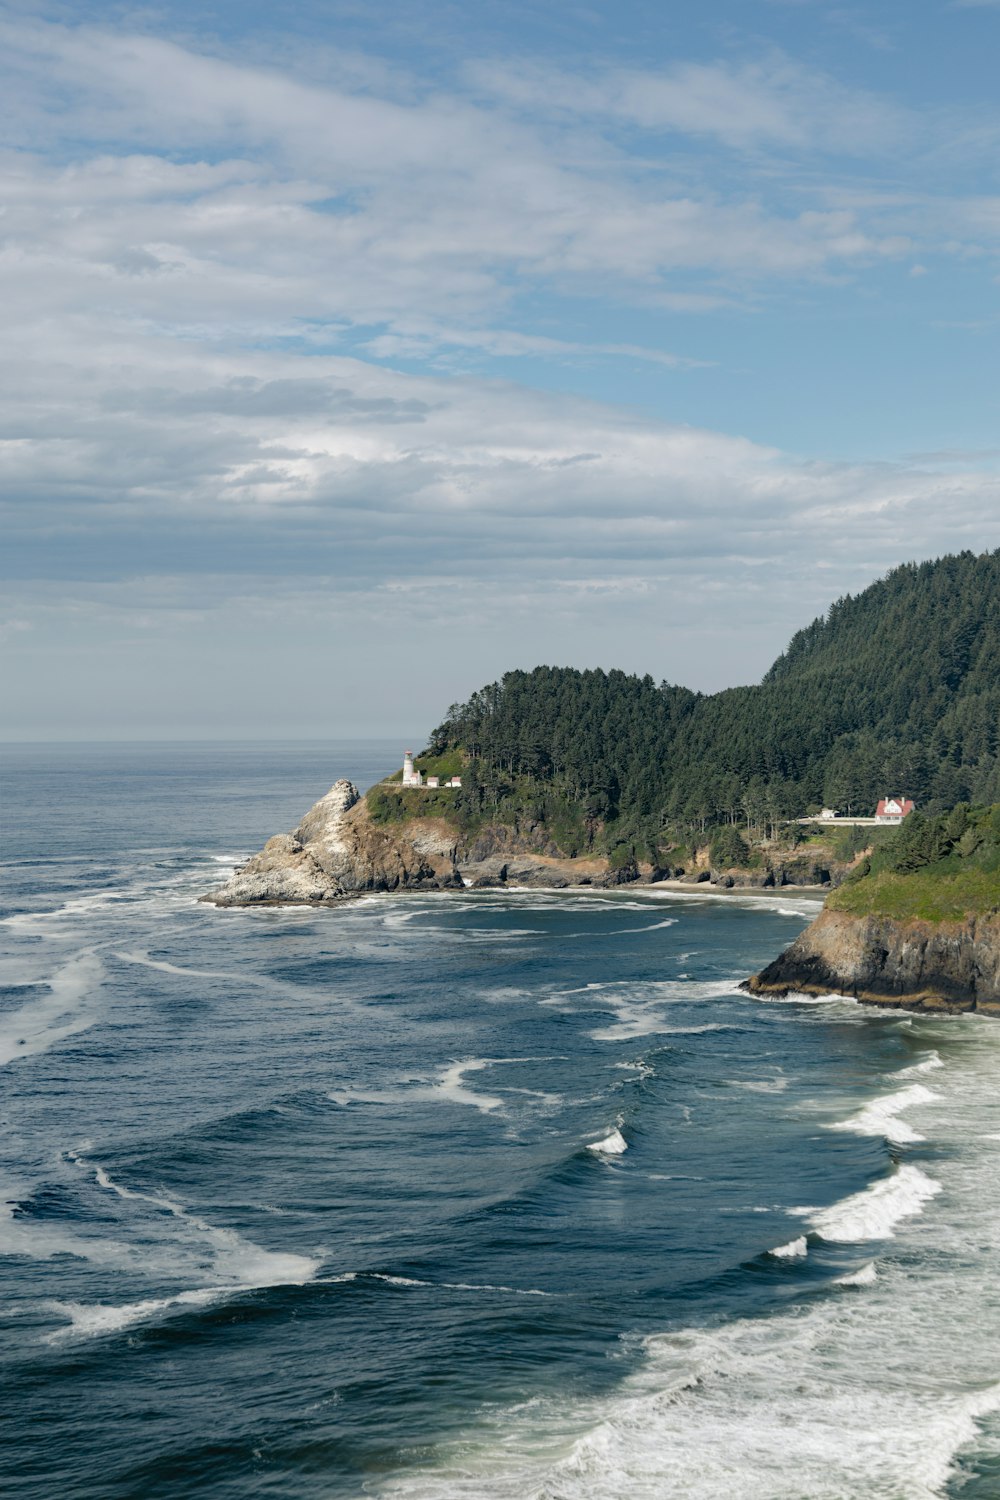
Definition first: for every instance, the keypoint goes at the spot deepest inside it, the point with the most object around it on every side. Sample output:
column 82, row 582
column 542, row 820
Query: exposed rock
column 758, row 880
column 914, row 964
column 805, row 869
column 535, row 872
column 780, row 870
column 625, row 875
column 337, row 851
column 481, row 873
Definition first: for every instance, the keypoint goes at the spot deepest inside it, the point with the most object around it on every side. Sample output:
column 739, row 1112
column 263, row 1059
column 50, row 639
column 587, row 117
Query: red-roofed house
column 893, row 809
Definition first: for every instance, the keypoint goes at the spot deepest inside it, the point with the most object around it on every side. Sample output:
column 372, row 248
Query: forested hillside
column 895, row 690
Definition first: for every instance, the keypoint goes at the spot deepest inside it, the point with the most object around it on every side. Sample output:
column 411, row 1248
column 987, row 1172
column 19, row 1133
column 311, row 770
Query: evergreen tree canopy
column 894, row 691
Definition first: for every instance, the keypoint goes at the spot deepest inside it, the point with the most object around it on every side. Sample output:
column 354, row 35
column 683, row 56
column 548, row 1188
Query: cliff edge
column 917, row 924
column 339, row 850
column 348, row 843
column 912, row 963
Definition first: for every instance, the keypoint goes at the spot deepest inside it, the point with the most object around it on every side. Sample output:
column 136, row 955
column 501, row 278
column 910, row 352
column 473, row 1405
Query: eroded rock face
column 917, row 965
column 305, row 865
column 783, row 870
column 336, row 851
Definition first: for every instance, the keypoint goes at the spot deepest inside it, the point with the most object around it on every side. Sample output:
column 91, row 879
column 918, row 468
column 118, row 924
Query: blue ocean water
column 460, row 1195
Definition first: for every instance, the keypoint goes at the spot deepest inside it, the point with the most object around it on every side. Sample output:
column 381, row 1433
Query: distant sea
column 496, row 1194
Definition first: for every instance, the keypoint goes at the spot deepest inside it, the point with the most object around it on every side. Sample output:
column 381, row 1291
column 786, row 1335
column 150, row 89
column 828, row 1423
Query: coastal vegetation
column 942, row 869
column 896, row 689
column 916, row 924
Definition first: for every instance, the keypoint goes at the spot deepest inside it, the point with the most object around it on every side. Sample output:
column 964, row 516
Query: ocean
column 485, row 1194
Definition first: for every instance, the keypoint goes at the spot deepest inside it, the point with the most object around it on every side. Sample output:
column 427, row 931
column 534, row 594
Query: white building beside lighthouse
column 413, row 777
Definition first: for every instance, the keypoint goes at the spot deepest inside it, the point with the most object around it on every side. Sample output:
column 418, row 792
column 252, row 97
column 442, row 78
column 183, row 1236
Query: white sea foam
column 759, row 900
column 881, row 1116
column 444, row 1286
column 170, row 1243
column 450, row 1086
column 928, row 1064
column 792, row 1250
column 67, row 1008
column 874, row 1213
column 643, row 1009
column 511, row 1291
column 348, row 1096
column 757, row 1409
column 86, row 907
column 694, row 1030
column 760, row 1085
column 866, row 1276
column 504, row 994
column 637, row 1065
column 618, row 931
column 91, row 1320
column 146, row 962
column 613, row 1144
column 797, row 997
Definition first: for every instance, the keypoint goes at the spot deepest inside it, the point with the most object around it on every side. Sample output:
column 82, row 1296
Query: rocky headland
column 915, row 964
column 917, row 924
column 885, row 957
column 339, row 850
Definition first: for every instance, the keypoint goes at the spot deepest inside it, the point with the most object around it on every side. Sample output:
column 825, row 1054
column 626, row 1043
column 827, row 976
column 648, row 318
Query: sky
column 355, row 354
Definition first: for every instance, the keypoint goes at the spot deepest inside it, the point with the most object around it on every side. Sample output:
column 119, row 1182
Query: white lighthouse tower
column 410, row 776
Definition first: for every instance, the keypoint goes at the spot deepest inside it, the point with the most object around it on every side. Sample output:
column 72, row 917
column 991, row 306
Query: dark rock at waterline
column 917, row 965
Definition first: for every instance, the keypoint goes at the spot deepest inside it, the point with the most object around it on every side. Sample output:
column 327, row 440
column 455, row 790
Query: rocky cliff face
column 916, row 965
column 338, row 851
column 783, row 869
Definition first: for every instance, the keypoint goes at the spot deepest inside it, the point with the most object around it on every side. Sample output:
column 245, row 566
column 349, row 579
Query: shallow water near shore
column 483, row 1194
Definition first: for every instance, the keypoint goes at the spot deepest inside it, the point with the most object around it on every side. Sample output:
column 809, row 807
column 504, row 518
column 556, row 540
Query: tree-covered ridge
column 599, row 736
column 895, row 690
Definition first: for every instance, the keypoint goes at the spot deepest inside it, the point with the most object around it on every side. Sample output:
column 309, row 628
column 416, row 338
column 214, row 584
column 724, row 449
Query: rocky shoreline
column 916, row 965
column 339, row 851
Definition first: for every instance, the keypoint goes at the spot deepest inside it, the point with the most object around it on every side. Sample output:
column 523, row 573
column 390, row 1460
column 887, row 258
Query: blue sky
column 356, row 354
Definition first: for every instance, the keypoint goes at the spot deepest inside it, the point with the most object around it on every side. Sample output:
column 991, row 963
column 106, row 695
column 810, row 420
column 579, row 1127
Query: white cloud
column 375, row 475
column 304, row 202
column 777, row 103
column 187, row 468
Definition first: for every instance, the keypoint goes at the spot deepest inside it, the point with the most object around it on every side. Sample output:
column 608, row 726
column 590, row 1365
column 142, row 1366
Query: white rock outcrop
column 313, row 863
column 339, row 850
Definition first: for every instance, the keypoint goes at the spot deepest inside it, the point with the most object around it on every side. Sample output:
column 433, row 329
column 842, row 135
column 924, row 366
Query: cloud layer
column 211, row 266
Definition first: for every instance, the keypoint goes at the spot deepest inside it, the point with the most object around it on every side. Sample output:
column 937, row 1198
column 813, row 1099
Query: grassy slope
column 934, row 894
column 944, row 869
